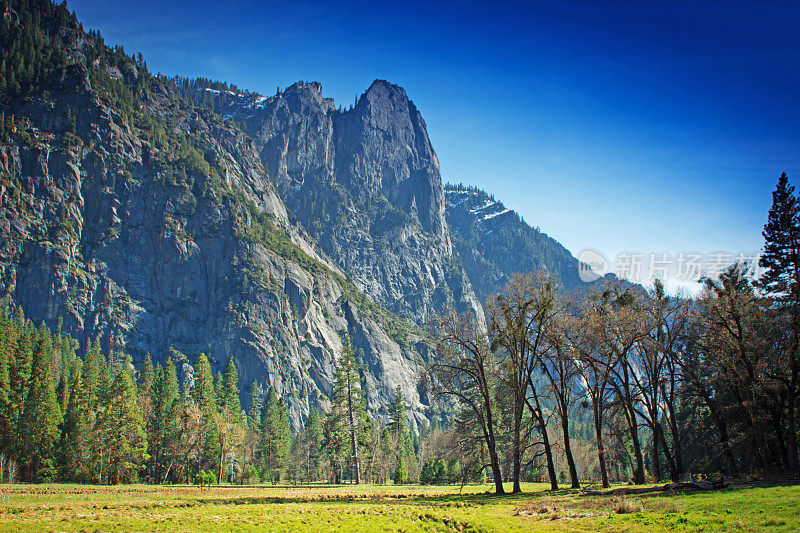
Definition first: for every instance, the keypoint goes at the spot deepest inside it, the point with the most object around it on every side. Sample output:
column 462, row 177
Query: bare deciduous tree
column 466, row 370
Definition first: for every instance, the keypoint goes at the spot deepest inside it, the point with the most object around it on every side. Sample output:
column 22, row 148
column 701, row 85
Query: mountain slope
column 494, row 242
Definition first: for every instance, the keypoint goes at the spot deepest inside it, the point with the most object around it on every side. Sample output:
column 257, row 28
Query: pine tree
column 91, row 373
column 254, row 412
column 19, row 372
column 104, row 379
column 7, row 338
column 74, row 446
column 313, row 437
column 164, row 427
column 121, row 428
column 349, row 404
column 781, row 280
column 230, row 391
column 781, row 257
column 203, row 392
column 400, row 475
column 41, row 414
column 147, row 375
column 398, row 429
column 283, row 436
column 218, row 394
column 336, row 442
column 274, row 438
column 205, row 397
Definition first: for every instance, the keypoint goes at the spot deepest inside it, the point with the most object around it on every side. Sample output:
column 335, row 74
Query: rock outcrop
column 365, row 182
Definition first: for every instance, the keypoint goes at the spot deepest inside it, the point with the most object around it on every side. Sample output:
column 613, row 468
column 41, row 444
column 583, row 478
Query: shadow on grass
column 447, row 499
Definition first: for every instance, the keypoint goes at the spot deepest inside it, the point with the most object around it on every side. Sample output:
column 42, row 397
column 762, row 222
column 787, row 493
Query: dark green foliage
column 400, row 474
column 121, row 429
column 230, row 391
column 400, row 437
column 206, row 399
column 207, row 94
column 147, row 375
column 32, row 47
column 434, row 472
column 312, row 441
column 254, row 411
column 41, row 414
column 781, row 257
column 203, row 391
column 76, row 430
column 164, row 425
column 274, row 437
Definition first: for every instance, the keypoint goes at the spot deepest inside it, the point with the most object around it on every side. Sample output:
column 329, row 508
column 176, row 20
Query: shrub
column 204, row 478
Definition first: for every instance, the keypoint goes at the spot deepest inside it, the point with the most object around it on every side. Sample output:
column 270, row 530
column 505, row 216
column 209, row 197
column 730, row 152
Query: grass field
column 394, row 508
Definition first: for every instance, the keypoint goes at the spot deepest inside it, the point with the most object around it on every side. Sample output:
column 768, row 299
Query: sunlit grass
column 387, row 508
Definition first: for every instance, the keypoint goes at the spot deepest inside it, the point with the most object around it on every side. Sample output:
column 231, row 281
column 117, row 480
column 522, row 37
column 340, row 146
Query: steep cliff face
column 141, row 219
column 366, row 184
column 494, row 242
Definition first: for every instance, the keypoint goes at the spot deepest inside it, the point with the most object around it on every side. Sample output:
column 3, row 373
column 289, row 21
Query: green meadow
column 388, row 508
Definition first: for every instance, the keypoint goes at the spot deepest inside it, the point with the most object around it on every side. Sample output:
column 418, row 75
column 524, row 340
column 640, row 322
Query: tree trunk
column 676, row 444
column 491, row 445
column 776, row 419
column 601, row 453
column 794, row 460
column 221, row 457
column 519, row 406
column 536, row 411
column 722, row 428
column 673, row 470
column 638, row 472
column 626, row 397
column 656, row 460
column 548, row 452
column 496, row 473
column 573, row 471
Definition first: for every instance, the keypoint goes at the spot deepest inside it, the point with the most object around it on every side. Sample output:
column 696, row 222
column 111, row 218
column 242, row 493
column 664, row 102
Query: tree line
column 671, row 385
column 99, row 419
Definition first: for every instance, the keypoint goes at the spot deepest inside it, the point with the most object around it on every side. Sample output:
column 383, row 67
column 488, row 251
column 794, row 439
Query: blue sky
column 647, row 127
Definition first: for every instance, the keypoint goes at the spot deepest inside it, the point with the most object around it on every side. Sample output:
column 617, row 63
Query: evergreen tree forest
column 95, row 418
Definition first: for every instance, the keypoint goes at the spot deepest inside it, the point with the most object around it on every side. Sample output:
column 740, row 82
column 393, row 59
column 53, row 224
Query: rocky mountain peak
column 365, row 183
column 382, row 90
column 383, row 147
column 312, row 87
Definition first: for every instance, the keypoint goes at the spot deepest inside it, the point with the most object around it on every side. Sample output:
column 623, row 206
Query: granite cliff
column 366, row 184
column 136, row 217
